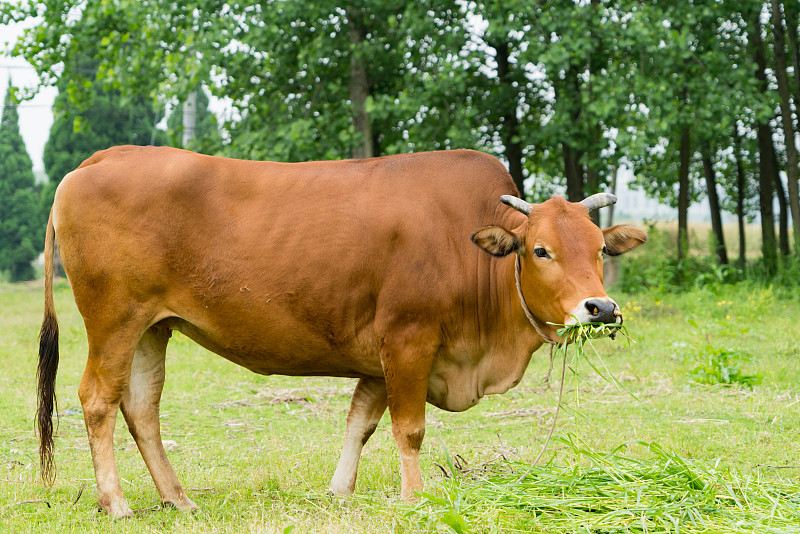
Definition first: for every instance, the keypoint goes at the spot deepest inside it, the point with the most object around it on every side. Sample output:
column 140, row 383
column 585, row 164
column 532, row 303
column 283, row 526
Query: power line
column 27, row 106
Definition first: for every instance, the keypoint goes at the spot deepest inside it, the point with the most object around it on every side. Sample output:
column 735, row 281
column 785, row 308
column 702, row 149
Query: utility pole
column 189, row 118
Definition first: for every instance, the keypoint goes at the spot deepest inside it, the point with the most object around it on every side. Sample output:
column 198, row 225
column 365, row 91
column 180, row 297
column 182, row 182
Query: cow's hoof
column 118, row 510
column 184, row 504
column 410, row 495
column 340, row 490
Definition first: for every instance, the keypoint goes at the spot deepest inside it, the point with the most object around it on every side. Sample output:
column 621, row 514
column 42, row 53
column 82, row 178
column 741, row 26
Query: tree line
column 699, row 98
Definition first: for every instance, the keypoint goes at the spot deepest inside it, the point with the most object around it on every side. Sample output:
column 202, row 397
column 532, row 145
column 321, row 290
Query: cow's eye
column 604, row 252
column 540, row 252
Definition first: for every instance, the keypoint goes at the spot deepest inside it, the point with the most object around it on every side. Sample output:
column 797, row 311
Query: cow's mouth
column 581, row 331
column 602, row 310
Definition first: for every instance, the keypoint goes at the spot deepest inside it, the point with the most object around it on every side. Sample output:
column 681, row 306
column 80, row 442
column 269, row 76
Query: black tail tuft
column 46, row 375
column 48, row 364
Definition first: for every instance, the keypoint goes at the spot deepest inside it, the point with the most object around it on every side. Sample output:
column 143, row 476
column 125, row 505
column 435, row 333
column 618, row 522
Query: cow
column 359, row 268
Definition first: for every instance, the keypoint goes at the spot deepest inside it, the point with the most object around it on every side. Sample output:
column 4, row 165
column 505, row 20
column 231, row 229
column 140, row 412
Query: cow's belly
column 291, row 354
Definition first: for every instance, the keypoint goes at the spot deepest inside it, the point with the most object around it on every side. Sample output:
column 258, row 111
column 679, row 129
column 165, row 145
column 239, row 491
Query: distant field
column 700, row 238
column 256, row 453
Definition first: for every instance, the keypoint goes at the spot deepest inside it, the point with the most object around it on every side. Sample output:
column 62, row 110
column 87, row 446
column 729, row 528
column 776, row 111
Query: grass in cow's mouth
column 581, row 332
column 579, row 335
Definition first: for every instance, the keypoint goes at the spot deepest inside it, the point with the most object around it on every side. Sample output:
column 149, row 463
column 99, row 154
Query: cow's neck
column 540, row 326
column 490, row 354
column 510, row 309
column 514, row 339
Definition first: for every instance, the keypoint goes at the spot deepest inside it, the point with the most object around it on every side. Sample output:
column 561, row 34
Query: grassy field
column 256, row 453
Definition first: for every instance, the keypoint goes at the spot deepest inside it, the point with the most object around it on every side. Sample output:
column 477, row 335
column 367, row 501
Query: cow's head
column 561, row 257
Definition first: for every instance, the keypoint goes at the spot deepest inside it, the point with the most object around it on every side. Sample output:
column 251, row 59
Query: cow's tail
column 48, row 363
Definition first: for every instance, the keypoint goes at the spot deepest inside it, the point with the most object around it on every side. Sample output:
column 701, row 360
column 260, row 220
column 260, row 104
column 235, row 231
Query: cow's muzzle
column 596, row 310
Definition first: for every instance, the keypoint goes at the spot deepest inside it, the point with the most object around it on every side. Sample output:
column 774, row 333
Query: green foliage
column 582, row 85
column 564, row 91
column 19, row 232
column 284, row 66
column 657, row 267
column 787, row 275
column 300, row 108
column 717, row 365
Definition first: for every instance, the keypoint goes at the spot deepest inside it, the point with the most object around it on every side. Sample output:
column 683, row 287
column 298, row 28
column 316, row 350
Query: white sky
column 35, row 116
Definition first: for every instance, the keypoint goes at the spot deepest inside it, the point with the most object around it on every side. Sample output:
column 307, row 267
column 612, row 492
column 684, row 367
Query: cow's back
column 279, row 267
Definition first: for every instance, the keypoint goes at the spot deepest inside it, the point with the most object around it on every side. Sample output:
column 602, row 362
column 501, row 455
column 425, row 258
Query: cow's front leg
column 407, row 371
column 366, row 409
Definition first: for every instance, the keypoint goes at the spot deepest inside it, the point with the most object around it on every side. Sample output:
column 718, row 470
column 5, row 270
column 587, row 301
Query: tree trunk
column 572, row 167
column 683, row 194
column 613, row 191
column 509, row 132
column 359, row 87
column 765, row 149
column 573, row 172
column 740, row 196
column 765, row 196
column 786, row 119
column 716, row 216
column 792, row 13
column 783, row 208
column 592, row 176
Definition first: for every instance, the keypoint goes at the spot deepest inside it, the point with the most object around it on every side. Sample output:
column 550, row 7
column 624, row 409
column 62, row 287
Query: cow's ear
column 621, row 239
column 498, row 241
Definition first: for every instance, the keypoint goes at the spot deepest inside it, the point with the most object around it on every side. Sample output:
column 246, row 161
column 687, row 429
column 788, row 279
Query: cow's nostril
column 602, row 311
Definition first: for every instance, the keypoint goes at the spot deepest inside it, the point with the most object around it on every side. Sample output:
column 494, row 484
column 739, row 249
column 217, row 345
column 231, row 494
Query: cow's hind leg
column 140, row 406
column 102, row 386
column 366, row 409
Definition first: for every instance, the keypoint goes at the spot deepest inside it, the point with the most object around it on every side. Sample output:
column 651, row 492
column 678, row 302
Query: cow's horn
column 600, row 200
column 517, row 203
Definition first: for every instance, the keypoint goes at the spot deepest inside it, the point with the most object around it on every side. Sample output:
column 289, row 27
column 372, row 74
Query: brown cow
column 357, row 269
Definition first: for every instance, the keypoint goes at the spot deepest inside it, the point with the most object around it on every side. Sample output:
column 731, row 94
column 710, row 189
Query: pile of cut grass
column 582, row 490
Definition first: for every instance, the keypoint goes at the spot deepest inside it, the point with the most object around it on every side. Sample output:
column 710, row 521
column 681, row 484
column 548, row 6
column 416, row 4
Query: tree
column 737, row 176
column 19, row 228
column 338, row 82
column 549, row 88
column 713, row 200
column 670, row 83
column 562, row 90
column 700, row 82
column 766, row 148
column 307, row 80
column 784, row 91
